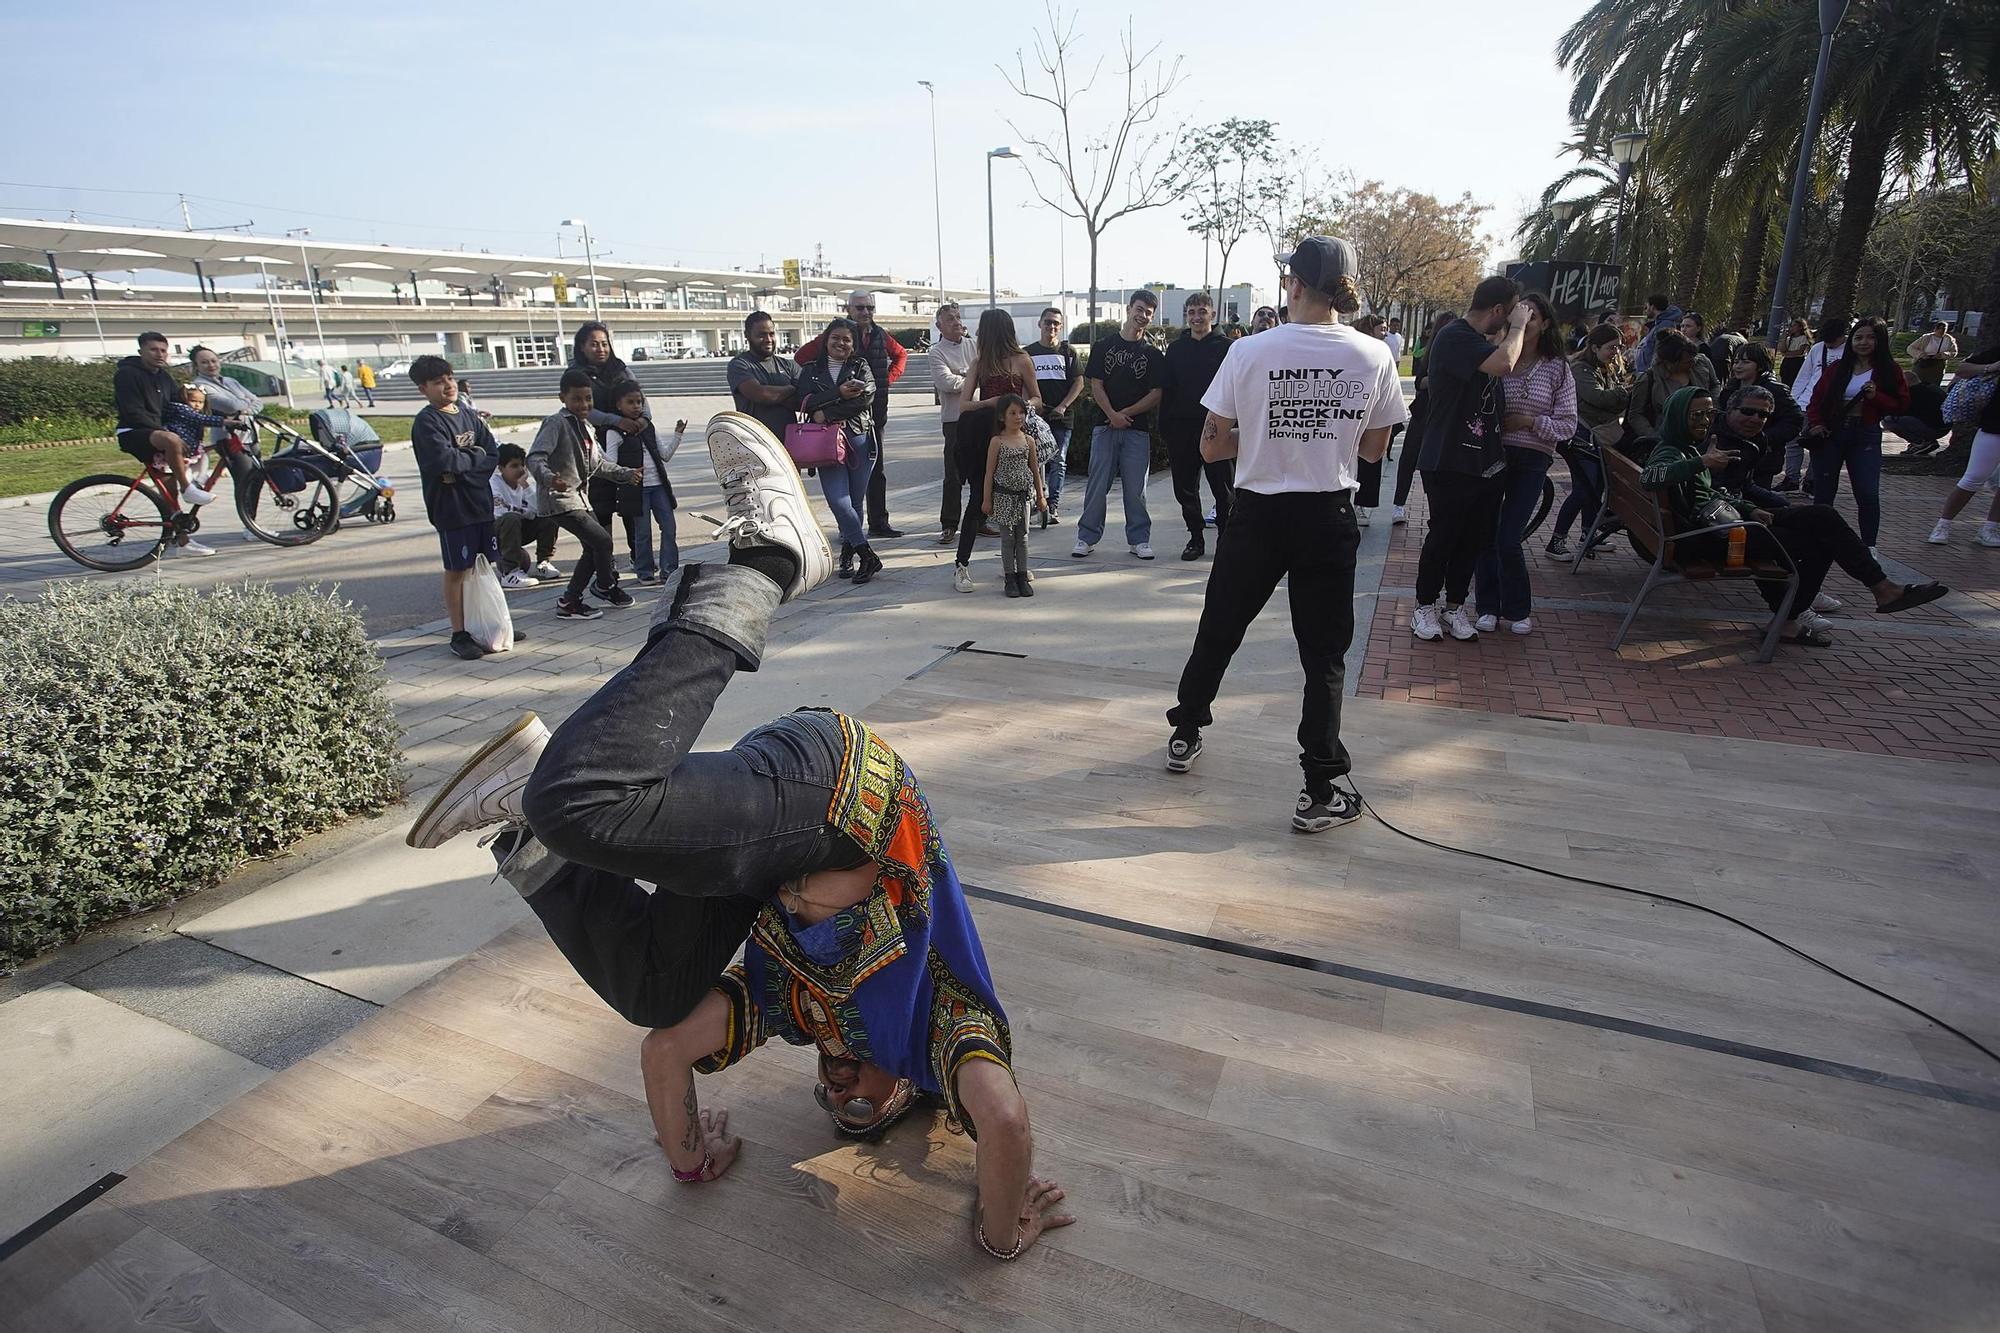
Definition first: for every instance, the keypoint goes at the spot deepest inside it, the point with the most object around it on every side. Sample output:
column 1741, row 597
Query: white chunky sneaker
column 1426, row 625
column 194, row 496
column 1989, row 533
column 517, row 579
column 961, row 579
column 193, row 547
column 1826, row 601
column 1144, row 550
column 1940, row 532
column 766, row 497
column 1487, row 624
column 1525, row 625
column 1400, row 514
column 1080, row 550
column 487, row 790
column 1459, row 624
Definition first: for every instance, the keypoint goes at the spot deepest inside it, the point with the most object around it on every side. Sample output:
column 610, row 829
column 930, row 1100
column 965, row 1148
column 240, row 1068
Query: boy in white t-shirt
column 1298, row 407
column 517, row 521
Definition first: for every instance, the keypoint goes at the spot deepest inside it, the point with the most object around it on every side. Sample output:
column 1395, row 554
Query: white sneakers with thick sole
column 766, row 497
column 487, row 790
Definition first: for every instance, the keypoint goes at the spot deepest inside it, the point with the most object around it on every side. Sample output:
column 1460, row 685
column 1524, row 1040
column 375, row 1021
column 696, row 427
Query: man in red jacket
column 886, row 357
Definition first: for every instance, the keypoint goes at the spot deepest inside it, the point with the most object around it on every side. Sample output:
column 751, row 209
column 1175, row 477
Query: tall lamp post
column 992, row 287
column 1562, row 212
column 937, row 198
column 590, row 260
column 1626, row 150
column 312, row 288
column 1831, row 12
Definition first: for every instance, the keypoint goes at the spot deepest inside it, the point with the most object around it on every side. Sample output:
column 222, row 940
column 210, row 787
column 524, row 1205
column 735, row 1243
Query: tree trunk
column 1092, row 234
column 1859, row 194
column 1689, row 255
column 1750, row 270
column 1221, row 282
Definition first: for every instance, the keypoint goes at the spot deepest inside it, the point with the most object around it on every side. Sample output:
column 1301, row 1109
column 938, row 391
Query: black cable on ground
column 1792, row 949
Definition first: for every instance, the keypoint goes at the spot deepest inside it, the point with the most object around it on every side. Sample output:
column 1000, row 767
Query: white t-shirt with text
column 1301, row 395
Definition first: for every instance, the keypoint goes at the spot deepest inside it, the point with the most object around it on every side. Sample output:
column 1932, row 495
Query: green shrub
column 62, row 426
column 153, row 736
column 43, row 386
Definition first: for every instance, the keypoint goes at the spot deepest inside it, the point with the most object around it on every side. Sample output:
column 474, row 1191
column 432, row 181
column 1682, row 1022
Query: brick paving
column 1921, row 685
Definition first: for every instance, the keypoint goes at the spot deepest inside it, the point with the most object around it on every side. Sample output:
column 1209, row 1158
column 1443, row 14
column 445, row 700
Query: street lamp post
column 1562, row 212
column 992, row 287
column 312, row 289
column 1831, row 12
column 590, row 260
column 937, row 198
column 1626, row 150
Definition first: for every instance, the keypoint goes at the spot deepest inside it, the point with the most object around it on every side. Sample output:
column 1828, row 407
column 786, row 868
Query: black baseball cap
column 1320, row 261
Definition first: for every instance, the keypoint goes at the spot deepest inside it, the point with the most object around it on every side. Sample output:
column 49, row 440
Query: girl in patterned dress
column 1013, row 474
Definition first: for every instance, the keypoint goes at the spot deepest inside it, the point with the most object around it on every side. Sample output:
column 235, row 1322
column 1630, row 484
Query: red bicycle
column 113, row 522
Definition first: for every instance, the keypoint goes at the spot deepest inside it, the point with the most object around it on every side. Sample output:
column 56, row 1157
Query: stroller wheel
column 386, row 512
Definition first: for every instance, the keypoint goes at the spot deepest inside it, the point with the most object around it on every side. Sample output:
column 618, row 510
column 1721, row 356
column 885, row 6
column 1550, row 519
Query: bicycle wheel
column 1542, row 510
column 106, row 522
column 290, row 506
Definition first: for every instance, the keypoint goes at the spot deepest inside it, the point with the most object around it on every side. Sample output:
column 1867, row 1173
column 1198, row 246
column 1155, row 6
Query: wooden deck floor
column 1249, row 1143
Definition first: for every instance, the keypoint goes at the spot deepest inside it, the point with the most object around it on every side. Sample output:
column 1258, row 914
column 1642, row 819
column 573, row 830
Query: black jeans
column 603, row 496
column 975, row 436
column 595, row 560
column 1309, row 539
column 1464, row 513
column 1183, row 439
column 1815, row 536
column 1586, row 489
column 515, row 531
column 621, row 795
column 878, row 484
column 953, row 504
column 1406, row 466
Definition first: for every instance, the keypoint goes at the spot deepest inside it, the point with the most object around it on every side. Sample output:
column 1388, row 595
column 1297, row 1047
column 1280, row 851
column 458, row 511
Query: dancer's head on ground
column 1319, row 280
column 761, row 333
column 1493, row 300
column 861, row 1098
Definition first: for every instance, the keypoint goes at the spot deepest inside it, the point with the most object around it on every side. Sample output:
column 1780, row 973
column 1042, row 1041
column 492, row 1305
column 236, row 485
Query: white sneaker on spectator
column 193, row 547
column 515, row 579
column 1826, row 601
column 1525, row 625
column 1989, row 533
column 1080, row 550
column 195, row 497
column 1813, row 620
column 1362, row 516
column 1940, row 532
column 547, row 570
column 1459, row 624
column 1400, row 514
column 1425, row 625
column 961, row 579
column 1487, row 624
column 1144, row 550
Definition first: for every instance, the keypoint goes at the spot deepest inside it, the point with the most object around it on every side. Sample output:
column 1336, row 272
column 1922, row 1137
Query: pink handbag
column 816, row 444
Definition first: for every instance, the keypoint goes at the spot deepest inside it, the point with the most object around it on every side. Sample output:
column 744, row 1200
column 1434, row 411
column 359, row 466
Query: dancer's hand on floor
column 721, row 1145
column 1036, row 1215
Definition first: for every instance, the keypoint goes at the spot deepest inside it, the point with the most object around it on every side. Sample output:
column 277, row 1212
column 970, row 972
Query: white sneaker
column 1080, row 550
column 547, row 570
column 1459, row 624
column 961, row 579
column 1487, row 624
column 1940, row 532
column 1525, row 625
column 766, row 497
column 487, row 790
column 1363, row 517
column 1424, row 624
column 514, row 579
column 1826, row 601
column 1144, row 550
column 193, row 547
column 1400, row 514
column 1813, row 620
column 195, row 497
column 1989, row 533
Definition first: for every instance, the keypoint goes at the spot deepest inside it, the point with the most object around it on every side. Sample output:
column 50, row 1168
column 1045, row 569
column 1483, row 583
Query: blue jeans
column 1127, row 454
column 845, row 486
column 1859, row 446
column 1057, row 467
column 1586, row 493
column 1501, row 574
column 655, row 506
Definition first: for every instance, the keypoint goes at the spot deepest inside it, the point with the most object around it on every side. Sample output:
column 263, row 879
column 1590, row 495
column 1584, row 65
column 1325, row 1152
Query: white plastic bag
column 486, row 617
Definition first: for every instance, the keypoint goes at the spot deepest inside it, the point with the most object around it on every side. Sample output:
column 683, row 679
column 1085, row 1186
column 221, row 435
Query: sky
column 733, row 134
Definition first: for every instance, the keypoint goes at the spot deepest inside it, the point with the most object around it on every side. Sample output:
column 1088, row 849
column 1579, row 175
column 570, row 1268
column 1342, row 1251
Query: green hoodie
column 1675, row 467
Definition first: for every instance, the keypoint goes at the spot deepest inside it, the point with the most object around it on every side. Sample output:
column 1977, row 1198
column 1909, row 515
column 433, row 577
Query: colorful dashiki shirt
column 900, row 979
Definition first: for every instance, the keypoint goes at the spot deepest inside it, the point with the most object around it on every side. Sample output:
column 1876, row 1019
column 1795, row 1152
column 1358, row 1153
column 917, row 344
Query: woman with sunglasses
column 808, row 844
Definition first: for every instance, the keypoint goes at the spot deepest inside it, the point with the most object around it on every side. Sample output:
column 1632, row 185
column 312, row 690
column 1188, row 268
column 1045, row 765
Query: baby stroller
column 354, row 459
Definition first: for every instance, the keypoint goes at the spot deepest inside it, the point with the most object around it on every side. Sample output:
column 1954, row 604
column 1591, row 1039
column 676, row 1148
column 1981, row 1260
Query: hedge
column 153, row 737
column 44, row 386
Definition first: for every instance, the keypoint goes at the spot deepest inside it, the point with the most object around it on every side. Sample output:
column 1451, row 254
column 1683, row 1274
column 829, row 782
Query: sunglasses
column 1752, row 412
column 868, row 308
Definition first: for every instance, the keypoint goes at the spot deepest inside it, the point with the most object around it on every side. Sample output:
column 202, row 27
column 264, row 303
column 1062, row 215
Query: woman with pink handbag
column 836, row 394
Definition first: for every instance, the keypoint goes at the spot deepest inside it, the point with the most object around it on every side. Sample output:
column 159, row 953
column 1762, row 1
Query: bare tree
column 1288, row 208
column 1101, row 175
column 1227, row 164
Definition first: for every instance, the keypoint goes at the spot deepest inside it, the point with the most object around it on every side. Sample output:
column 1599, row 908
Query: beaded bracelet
column 1020, row 1243
column 695, row 1176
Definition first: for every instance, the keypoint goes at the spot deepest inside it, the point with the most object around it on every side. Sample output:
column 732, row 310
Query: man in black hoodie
column 1192, row 360
column 142, row 388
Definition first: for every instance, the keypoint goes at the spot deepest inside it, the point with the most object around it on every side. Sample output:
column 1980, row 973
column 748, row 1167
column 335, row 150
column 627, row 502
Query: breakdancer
column 808, row 844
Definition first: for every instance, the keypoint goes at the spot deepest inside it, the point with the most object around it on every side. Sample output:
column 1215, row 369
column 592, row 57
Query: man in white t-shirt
column 1298, row 407
column 1394, row 338
column 951, row 358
